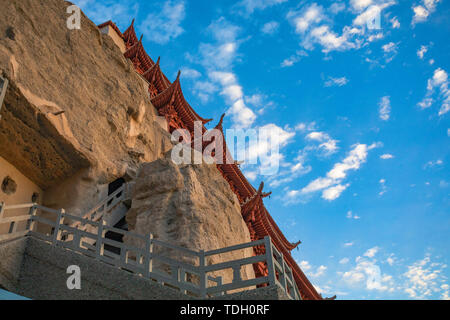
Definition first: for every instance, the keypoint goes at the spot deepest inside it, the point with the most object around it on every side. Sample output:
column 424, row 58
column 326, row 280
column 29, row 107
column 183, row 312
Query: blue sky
column 361, row 112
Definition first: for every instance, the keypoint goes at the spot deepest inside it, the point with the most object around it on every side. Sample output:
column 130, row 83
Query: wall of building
column 25, row 187
column 12, row 179
column 115, row 37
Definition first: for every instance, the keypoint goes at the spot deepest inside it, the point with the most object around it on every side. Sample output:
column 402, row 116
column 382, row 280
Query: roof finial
column 132, row 23
column 157, row 62
column 261, row 187
column 142, row 36
column 178, row 77
column 219, row 125
column 296, row 244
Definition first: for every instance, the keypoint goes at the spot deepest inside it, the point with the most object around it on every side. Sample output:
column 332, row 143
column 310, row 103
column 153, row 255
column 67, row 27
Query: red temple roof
column 157, row 80
column 129, row 36
column 139, row 57
column 173, row 95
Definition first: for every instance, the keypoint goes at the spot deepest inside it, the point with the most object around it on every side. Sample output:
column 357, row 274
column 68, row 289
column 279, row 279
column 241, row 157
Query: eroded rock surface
column 191, row 206
column 77, row 115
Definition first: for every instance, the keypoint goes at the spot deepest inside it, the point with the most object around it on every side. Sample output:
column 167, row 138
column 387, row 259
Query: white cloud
column 305, row 126
column 389, row 47
column 314, row 27
column 326, row 143
column 305, row 265
column 218, row 59
column 438, row 81
column 424, row 278
column 289, row 62
column 332, row 193
column 190, row 73
column 371, row 252
column 421, row 52
column 348, row 244
column 422, row 12
column 320, row 271
column 163, row 26
column 344, row 260
column 383, row 187
column 204, row 89
column 391, row 259
column 332, row 183
column 270, row 27
column 385, row 108
column 435, row 163
column 395, row 23
column 338, row 82
column 302, row 20
column 359, row 5
column 309, row 269
column 337, row 7
column 251, row 5
column 390, row 51
column 122, row 12
column 386, row 156
column 367, row 272
column 350, row 215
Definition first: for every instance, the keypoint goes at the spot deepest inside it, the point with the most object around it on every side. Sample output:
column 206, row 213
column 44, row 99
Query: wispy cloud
column 385, row 108
column 438, row 81
column 421, row 52
column 336, row 82
column 270, row 27
column 293, row 59
column 313, row 24
column 424, row 277
column 249, row 6
column 386, row 156
column 165, row 25
column 121, row 12
column 332, row 184
column 351, row 215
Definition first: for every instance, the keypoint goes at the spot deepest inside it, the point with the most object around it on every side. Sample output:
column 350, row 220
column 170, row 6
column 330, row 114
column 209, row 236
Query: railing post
column 100, row 246
column 2, row 209
column 183, row 280
column 269, row 258
column 283, row 280
column 237, row 273
column 148, row 263
column 203, row 277
column 33, row 213
column 56, row 232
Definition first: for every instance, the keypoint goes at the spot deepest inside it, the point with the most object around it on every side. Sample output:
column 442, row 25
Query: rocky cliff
column 77, row 115
column 191, row 206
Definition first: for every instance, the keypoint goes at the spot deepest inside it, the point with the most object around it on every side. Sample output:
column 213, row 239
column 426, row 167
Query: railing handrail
column 146, row 256
column 104, row 202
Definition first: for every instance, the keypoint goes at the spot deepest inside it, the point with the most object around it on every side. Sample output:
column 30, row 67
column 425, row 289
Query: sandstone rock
column 66, row 122
column 191, row 206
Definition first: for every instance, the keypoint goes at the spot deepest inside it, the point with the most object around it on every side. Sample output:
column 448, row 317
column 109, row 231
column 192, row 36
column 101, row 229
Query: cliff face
column 108, row 124
column 77, row 116
column 191, row 206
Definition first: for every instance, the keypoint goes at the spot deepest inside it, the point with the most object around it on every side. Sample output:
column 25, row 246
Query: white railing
column 104, row 206
column 194, row 279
